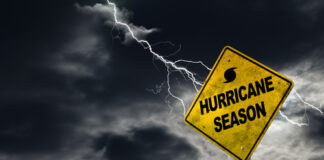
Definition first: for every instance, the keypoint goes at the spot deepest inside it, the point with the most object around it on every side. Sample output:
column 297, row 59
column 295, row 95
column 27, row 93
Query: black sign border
column 266, row 126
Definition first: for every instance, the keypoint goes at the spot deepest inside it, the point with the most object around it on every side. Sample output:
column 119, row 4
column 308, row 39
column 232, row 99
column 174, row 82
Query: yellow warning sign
column 237, row 103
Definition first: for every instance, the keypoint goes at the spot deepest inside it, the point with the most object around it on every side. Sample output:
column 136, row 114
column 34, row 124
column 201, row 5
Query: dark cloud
column 145, row 144
column 271, row 31
column 64, row 79
column 317, row 158
column 315, row 129
column 31, row 127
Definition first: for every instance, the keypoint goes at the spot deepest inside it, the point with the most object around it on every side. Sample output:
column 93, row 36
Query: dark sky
column 74, row 87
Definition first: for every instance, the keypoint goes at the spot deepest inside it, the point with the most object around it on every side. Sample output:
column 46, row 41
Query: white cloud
column 82, row 54
column 307, row 75
column 106, row 12
column 283, row 139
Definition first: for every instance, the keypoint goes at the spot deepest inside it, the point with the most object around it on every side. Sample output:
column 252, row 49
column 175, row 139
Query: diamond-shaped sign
column 237, row 103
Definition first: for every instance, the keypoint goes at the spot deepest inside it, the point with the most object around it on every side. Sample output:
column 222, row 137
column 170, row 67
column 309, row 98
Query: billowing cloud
column 82, row 54
column 146, row 144
column 106, row 12
column 73, row 94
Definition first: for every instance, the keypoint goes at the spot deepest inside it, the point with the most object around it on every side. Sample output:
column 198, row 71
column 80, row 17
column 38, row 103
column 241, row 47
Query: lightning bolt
column 299, row 124
column 306, row 103
column 172, row 66
column 301, row 99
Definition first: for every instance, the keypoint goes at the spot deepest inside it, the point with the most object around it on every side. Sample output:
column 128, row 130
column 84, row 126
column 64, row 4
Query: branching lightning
column 172, row 66
column 299, row 124
column 168, row 64
column 306, row 103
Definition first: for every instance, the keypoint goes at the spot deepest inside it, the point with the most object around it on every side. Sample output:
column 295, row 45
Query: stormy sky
column 75, row 87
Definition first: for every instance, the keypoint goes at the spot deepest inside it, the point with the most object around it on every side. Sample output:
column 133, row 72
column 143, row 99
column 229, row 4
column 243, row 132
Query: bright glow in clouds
column 172, row 66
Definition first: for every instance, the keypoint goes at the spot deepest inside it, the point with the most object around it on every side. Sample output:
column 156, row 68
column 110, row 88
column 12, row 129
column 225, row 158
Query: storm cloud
column 145, row 144
column 74, row 86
